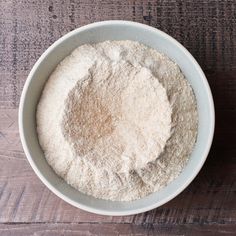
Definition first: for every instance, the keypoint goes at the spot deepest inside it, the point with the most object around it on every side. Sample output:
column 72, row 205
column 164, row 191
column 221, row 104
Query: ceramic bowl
column 98, row 32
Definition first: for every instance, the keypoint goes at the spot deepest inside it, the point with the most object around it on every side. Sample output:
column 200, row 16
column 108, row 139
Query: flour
column 117, row 120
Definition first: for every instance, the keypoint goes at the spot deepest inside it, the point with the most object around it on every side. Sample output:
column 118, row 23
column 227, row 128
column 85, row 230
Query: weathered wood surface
column 207, row 29
column 113, row 229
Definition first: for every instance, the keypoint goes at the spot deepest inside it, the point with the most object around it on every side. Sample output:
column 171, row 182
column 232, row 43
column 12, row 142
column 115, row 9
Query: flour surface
column 117, row 120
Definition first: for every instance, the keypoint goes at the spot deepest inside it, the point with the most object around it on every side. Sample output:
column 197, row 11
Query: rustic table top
column 207, row 29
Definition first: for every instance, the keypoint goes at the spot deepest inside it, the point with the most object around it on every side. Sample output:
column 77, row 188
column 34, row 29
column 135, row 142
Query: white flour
column 117, row 120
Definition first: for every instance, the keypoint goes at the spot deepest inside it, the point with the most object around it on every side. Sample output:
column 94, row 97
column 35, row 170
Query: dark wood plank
column 206, row 28
column 114, row 229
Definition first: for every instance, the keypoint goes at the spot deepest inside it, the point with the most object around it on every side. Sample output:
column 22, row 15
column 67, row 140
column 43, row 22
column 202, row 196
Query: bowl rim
column 87, row 207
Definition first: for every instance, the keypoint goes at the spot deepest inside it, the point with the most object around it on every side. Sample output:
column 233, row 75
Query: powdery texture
column 117, row 120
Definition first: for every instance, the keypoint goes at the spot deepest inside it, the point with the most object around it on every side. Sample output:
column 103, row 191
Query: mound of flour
column 117, row 120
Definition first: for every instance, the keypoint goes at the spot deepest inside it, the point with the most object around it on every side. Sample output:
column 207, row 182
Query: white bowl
column 93, row 33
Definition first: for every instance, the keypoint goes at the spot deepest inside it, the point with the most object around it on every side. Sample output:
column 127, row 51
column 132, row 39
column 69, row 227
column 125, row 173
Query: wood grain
column 113, row 229
column 207, row 29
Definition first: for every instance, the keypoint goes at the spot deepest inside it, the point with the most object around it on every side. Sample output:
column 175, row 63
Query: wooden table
column 207, row 29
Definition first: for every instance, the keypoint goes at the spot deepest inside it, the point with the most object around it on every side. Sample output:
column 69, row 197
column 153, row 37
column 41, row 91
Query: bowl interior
column 114, row 31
